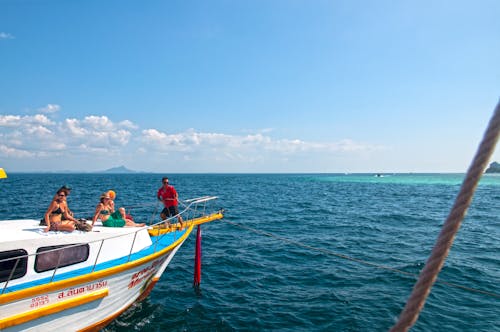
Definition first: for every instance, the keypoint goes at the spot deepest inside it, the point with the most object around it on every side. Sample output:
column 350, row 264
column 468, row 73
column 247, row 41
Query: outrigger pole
column 197, row 259
column 164, row 228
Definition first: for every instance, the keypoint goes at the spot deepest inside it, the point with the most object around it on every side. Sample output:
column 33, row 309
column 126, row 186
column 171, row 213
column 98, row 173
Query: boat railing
column 191, row 209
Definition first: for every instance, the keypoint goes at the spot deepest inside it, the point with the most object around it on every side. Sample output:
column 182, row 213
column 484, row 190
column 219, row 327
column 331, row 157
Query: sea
column 302, row 252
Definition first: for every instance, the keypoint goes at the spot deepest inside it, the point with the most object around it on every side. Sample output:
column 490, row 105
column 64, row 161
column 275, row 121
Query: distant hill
column 118, row 170
column 494, row 168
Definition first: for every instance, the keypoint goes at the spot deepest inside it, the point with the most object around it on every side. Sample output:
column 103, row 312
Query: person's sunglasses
column 61, row 195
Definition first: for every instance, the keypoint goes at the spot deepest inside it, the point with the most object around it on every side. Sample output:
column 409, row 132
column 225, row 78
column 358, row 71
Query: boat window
column 11, row 259
column 49, row 258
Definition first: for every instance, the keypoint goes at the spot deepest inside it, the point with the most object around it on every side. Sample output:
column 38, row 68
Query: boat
column 82, row 281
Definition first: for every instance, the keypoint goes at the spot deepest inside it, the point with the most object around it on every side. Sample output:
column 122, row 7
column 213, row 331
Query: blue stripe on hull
column 158, row 244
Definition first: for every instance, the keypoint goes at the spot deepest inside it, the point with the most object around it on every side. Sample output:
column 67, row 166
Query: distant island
column 113, row 170
column 118, row 170
column 494, row 168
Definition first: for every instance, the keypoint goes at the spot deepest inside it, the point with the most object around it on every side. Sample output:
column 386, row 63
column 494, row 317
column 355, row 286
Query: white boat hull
column 73, row 305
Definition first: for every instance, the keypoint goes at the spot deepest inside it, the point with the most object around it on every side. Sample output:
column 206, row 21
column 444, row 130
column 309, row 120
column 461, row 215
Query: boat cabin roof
column 29, row 235
column 13, row 233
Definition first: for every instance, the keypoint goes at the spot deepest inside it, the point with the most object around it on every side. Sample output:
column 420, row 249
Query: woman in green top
column 105, row 211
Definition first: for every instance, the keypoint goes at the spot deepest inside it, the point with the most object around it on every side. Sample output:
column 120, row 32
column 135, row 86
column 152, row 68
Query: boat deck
column 29, row 229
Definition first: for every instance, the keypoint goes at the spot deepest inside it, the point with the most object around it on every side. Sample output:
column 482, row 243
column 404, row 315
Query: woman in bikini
column 105, row 211
column 57, row 209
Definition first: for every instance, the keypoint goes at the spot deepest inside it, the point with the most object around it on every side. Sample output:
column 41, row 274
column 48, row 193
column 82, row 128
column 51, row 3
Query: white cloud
column 128, row 124
column 120, row 137
column 24, row 121
column 54, row 146
column 98, row 138
column 7, row 151
column 236, row 147
column 5, row 35
column 9, row 120
column 93, row 150
column 14, row 138
column 39, row 131
column 37, row 135
column 98, row 122
column 97, row 132
column 153, row 135
column 50, row 108
column 73, row 128
column 39, row 119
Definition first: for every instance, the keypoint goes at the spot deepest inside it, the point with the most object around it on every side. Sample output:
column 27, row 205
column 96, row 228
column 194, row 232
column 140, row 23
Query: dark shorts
column 170, row 211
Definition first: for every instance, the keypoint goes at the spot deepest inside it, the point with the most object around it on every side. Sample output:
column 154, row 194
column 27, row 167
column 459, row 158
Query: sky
column 274, row 86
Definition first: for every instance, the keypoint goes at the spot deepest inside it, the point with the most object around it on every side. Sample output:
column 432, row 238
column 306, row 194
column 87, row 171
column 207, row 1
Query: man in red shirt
column 168, row 195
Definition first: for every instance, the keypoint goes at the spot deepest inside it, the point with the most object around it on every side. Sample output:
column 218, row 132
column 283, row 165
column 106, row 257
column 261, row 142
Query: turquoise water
column 303, row 252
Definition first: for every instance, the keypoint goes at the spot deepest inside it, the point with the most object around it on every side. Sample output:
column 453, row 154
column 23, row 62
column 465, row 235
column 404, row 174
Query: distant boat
column 82, row 281
column 378, row 175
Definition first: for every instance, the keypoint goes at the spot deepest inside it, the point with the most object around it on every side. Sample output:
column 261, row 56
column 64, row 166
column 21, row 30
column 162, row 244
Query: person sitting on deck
column 68, row 191
column 105, row 211
column 54, row 215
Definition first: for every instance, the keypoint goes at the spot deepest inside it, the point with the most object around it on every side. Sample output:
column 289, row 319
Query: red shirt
column 168, row 196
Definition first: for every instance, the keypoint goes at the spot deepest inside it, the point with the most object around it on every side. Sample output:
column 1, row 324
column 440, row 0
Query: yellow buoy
column 3, row 175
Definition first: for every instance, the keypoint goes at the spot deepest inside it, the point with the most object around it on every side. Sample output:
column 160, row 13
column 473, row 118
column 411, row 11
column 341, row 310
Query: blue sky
column 246, row 86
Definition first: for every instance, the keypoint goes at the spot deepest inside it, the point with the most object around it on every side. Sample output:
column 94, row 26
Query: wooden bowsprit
column 166, row 227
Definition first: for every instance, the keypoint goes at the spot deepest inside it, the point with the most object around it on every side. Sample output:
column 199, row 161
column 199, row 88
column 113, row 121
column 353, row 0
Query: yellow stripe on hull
column 52, row 309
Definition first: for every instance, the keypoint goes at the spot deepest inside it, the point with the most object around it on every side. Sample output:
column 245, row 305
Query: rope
column 357, row 260
column 435, row 262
